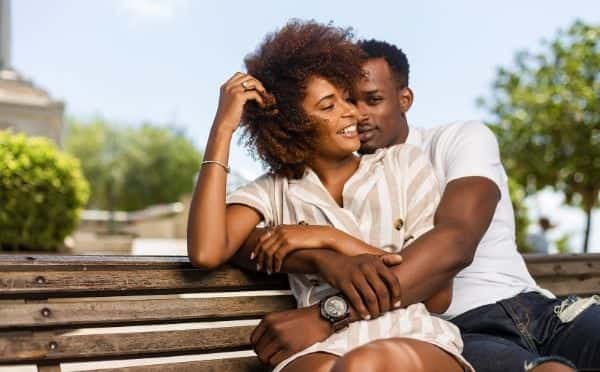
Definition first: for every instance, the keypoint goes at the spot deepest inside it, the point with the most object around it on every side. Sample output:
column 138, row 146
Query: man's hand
column 283, row 333
column 366, row 280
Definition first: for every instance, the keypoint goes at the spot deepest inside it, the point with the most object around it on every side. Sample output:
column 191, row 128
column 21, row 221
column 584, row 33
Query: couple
column 336, row 221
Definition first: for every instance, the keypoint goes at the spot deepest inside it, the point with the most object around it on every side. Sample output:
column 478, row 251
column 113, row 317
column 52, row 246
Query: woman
column 299, row 120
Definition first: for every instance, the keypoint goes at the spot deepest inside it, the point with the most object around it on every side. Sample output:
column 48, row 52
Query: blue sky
column 163, row 61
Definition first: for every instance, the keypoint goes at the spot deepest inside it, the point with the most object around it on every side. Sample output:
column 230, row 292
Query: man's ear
column 406, row 97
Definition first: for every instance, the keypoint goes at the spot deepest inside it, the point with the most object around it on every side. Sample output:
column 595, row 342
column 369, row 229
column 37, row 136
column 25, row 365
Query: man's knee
column 550, row 364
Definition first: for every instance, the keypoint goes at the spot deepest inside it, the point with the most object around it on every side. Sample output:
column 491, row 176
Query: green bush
column 42, row 192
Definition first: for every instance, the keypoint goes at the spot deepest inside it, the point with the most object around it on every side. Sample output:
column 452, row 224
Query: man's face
column 382, row 105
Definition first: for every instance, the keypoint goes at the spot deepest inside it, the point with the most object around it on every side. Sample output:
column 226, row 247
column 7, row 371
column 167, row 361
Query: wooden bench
column 72, row 309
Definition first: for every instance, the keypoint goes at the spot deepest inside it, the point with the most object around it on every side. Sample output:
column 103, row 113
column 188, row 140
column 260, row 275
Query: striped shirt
column 388, row 202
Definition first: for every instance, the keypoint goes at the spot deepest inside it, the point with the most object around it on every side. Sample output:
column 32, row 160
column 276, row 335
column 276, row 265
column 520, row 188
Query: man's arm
column 461, row 219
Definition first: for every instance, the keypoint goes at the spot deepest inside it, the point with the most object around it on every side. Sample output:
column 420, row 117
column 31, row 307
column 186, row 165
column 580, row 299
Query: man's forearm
column 430, row 263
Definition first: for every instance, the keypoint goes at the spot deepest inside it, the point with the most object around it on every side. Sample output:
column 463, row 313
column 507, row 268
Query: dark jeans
column 505, row 335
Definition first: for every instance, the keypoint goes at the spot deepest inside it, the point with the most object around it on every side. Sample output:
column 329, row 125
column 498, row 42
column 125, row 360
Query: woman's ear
column 406, row 97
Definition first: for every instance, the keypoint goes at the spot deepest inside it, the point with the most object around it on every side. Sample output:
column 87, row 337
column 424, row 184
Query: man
column 507, row 322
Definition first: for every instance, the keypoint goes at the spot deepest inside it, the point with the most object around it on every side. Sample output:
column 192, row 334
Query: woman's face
column 336, row 116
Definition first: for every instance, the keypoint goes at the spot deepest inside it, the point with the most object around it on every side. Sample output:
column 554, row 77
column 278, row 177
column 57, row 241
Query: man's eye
column 374, row 100
column 328, row 108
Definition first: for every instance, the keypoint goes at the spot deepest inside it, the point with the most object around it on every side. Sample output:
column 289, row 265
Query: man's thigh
column 578, row 340
column 489, row 353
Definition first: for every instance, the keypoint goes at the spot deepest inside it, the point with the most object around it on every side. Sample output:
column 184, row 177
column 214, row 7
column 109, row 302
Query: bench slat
column 563, row 286
column 245, row 364
column 73, row 262
column 128, row 312
column 563, row 265
column 24, row 347
column 65, row 283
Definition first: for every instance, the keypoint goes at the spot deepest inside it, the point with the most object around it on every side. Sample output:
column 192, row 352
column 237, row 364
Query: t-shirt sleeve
column 258, row 195
column 471, row 150
column 422, row 193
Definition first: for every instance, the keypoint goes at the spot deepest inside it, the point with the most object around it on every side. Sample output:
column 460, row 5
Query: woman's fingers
column 266, row 247
column 280, row 255
column 251, row 83
column 254, row 95
column 233, row 77
column 247, row 82
column 269, row 257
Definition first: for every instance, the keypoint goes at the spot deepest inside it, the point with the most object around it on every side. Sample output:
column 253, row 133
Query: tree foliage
column 547, row 118
column 132, row 168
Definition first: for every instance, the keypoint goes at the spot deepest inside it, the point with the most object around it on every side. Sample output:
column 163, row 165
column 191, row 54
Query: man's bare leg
column 397, row 354
column 314, row 362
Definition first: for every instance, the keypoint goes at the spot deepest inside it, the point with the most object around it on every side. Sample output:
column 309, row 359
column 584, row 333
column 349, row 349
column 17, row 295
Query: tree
column 132, row 168
column 545, row 114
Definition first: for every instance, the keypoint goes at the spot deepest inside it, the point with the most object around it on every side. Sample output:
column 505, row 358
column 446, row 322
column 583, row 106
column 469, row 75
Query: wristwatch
column 336, row 311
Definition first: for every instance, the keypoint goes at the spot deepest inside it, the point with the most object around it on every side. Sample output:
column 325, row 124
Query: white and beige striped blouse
column 388, row 202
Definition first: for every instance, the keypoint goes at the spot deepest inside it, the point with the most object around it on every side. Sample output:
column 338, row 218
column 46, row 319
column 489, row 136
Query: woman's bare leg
column 395, row 355
column 314, row 362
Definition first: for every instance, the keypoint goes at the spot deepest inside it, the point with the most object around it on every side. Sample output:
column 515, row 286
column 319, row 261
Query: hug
column 399, row 241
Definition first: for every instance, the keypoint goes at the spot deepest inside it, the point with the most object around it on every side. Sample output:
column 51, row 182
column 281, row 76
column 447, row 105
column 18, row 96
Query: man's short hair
column 394, row 56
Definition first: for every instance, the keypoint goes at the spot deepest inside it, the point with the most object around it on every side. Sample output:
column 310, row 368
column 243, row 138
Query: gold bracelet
column 216, row 162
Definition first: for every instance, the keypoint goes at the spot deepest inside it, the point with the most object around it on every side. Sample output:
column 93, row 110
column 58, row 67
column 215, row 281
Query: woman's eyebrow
column 329, row 96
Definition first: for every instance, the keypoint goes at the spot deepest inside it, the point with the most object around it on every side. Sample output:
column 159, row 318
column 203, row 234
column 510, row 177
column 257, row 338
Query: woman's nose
column 351, row 110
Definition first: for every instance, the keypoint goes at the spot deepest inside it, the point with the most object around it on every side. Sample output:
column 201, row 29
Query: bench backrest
column 62, row 309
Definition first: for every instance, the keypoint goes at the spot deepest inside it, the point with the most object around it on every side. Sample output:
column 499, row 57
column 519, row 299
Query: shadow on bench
column 64, row 309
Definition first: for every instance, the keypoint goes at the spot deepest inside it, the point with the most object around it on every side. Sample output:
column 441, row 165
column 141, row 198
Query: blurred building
column 24, row 107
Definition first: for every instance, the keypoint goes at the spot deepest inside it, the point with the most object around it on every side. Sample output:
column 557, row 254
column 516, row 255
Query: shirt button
column 398, row 223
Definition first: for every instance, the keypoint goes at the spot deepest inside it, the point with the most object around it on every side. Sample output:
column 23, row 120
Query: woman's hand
column 235, row 92
column 277, row 242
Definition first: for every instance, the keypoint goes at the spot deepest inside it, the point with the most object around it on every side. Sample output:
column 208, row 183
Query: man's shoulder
column 452, row 134
column 457, row 128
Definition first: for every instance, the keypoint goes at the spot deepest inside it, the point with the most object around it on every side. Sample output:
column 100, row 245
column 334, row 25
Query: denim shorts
column 521, row 331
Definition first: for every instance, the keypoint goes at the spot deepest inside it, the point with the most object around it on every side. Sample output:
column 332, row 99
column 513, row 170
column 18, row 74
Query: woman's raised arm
column 215, row 231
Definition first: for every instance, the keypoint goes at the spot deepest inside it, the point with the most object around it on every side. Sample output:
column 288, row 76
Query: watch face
column 336, row 307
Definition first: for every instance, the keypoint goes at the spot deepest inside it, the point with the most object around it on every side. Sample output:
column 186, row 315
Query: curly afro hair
column 282, row 135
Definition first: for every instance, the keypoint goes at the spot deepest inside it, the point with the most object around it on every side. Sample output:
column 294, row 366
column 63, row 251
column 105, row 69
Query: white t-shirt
column 498, row 271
